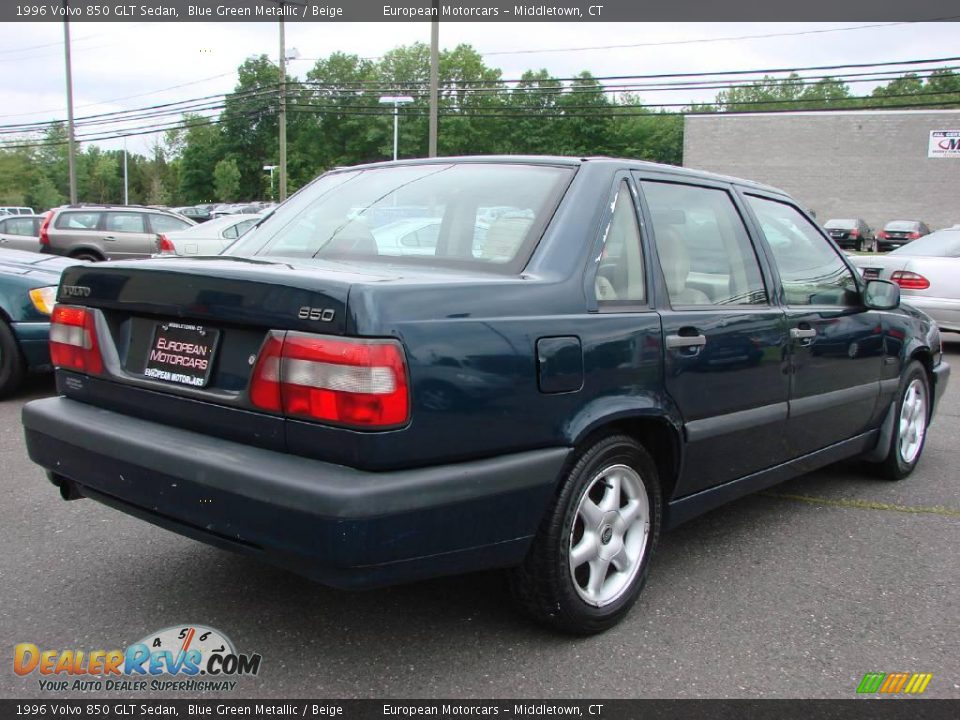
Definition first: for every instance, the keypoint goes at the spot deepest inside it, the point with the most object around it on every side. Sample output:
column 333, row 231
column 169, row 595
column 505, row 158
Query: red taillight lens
column 914, row 235
column 73, row 340
column 361, row 383
column 44, row 229
column 165, row 245
column 854, row 233
column 881, row 235
column 910, row 280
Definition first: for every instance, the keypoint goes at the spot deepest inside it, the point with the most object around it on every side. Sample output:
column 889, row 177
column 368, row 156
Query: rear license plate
column 181, row 353
column 871, row 273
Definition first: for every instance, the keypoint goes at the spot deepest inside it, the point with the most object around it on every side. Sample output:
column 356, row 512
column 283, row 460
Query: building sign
column 944, row 144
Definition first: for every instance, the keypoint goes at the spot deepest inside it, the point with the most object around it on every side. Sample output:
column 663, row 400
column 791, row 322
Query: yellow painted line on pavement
column 867, row 505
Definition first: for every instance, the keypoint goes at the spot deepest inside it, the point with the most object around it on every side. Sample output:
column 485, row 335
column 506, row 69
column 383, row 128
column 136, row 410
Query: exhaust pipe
column 69, row 490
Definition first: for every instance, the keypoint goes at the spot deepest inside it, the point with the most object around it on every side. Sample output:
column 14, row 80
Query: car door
column 836, row 344
column 19, row 233
column 724, row 339
column 126, row 235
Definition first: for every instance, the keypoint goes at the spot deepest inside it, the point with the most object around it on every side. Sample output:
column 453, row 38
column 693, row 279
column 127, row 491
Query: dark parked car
column 108, row 232
column 899, row 232
column 28, row 286
column 852, row 234
column 549, row 400
column 196, row 213
column 20, row 232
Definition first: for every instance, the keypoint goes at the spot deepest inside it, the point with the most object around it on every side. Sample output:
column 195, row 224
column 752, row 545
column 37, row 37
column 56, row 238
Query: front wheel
column 12, row 366
column 910, row 425
column 590, row 558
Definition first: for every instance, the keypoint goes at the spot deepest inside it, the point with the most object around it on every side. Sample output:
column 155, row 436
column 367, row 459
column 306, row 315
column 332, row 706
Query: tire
column 13, row 368
column 910, row 426
column 862, row 246
column 87, row 255
column 550, row 586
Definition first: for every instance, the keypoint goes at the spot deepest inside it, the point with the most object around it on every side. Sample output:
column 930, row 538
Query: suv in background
column 107, row 232
column 20, row 232
column 852, row 234
column 899, row 232
column 13, row 210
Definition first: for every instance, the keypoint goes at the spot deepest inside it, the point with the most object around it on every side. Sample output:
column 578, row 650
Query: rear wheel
column 87, row 256
column 590, row 558
column 910, row 425
column 12, row 365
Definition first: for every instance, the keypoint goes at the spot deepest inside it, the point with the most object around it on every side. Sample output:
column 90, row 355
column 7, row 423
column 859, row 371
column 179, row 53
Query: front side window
column 811, row 271
column 484, row 216
column 705, row 252
column 620, row 275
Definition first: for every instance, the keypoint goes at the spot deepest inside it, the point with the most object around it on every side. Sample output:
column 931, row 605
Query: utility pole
column 126, row 184
column 283, row 112
column 71, row 148
column 434, row 78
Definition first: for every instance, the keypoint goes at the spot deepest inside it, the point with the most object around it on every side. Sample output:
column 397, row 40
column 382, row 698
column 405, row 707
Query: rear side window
column 78, row 221
column 167, row 223
column 705, row 252
column 486, row 216
column 125, row 222
column 811, row 271
column 620, row 275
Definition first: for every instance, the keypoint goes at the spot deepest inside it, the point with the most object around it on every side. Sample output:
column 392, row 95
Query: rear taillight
column 359, row 383
column 914, row 236
column 165, row 246
column 881, row 235
column 73, row 340
column 910, row 280
column 45, row 229
column 854, row 233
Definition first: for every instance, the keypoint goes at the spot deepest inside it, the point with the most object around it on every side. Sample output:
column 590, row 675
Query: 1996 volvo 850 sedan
column 619, row 347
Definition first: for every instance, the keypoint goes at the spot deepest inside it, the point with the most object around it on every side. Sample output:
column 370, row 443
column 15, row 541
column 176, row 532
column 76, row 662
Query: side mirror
column 881, row 295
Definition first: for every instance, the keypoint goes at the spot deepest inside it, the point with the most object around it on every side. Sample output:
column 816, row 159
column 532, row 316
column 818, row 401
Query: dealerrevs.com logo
column 187, row 658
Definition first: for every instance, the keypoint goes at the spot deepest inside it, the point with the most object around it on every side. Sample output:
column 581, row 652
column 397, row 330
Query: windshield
column 483, row 216
column 943, row 243
column 841, row 224
column 901, row 225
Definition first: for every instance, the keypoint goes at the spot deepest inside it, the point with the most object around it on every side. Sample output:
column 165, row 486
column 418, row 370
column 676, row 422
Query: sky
column 120, row 66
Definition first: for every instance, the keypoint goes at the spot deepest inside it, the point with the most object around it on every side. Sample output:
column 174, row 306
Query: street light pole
column 126, row 184
column 71, row 148
column 434, row 79
column 283, row 113
column 396, row 101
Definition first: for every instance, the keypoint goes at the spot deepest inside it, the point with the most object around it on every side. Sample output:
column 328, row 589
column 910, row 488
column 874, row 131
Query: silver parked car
column 209, row 238
column 107, row 232
column 928, row 273
column 20, row 232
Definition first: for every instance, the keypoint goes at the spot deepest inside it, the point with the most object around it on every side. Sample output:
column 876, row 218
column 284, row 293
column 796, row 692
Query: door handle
column 109, row 237
column 686, row 341
column 803, row 333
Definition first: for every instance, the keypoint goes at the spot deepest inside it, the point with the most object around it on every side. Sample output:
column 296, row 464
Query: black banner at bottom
column 860, row 709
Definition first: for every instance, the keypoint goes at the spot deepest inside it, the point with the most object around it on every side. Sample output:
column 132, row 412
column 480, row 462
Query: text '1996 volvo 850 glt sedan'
column 586, row 353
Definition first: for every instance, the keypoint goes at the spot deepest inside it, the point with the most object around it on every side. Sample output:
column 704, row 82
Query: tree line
column 335, row 118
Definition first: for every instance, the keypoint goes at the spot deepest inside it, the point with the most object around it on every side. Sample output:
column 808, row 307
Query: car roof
column 572, row 161
column 115, row 208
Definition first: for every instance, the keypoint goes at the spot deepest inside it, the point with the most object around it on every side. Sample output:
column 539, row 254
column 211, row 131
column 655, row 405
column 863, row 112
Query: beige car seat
column 675, row 262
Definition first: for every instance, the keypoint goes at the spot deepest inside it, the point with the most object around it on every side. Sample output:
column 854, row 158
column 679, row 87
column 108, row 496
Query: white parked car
column 928, row 273
column 209, row 238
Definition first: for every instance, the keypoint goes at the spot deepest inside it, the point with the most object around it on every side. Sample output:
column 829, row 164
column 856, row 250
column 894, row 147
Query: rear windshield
column 902, row 225
column 483, row 216
column 841, row 224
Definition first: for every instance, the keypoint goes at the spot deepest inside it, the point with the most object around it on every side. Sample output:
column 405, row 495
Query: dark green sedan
column 28, row 288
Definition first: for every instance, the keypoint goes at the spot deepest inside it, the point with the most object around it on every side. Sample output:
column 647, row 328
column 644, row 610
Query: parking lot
column 797, row 592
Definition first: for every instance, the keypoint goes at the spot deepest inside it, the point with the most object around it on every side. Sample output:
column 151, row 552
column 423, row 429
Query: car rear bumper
column 344, row 527
column 33, row 339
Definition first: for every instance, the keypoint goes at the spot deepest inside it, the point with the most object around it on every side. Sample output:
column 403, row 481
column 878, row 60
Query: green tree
column 226, row 180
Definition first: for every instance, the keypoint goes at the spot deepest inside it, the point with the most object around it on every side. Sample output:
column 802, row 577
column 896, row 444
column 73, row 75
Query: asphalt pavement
column 796, row 592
